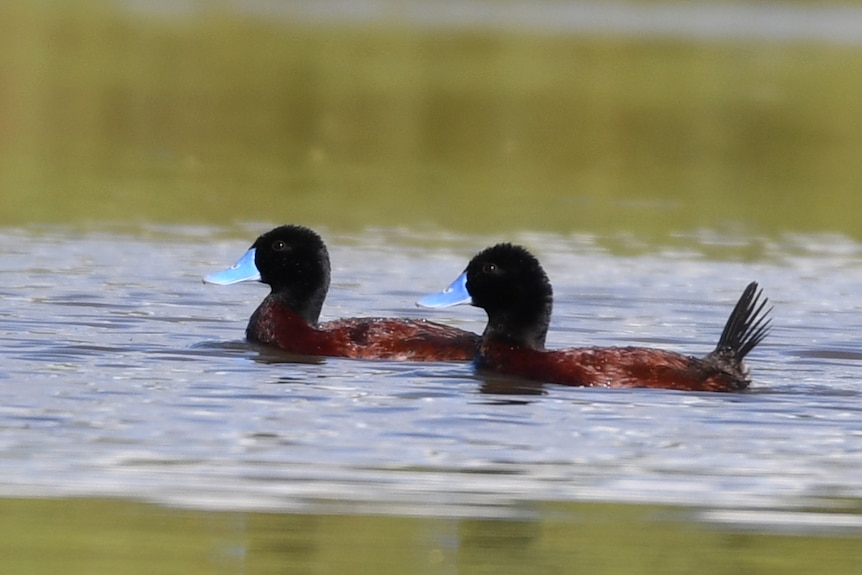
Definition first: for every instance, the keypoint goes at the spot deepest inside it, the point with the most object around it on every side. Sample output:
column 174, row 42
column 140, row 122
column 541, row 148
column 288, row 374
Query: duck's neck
column 525, row 327
column 306, row 307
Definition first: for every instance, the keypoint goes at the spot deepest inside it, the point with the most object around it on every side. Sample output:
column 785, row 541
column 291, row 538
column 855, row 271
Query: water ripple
column 145, row 388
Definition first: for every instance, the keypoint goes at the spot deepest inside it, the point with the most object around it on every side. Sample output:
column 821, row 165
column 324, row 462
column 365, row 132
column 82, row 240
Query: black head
column 294, row 261
column 508, row 282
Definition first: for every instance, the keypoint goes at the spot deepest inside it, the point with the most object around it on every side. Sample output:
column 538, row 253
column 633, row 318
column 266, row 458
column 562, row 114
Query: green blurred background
column 212, row 116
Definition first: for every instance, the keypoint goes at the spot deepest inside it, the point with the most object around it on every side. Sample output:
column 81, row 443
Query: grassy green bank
column 110, row 116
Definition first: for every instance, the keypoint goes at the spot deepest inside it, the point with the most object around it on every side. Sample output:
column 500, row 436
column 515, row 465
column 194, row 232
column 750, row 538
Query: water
column 123, row 375
column 703, row 20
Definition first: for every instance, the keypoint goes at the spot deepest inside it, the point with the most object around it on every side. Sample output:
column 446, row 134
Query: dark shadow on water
column 493, row 383
column 229, row 347
column 257, row 353
column 838, row 354
column 271, row 356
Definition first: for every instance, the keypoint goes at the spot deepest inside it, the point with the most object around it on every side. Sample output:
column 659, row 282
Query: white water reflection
column 783, row 21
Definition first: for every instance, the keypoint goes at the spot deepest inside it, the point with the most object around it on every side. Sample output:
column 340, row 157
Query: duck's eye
column 279, row 246
column 489, row 268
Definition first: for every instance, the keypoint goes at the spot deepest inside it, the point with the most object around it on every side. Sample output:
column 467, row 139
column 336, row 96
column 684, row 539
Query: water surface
column 124, row 375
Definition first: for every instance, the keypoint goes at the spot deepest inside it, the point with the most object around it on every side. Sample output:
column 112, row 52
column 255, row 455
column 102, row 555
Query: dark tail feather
column 746, row 327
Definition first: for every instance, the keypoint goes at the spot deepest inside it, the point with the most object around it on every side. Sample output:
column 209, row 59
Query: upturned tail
column 746, row 327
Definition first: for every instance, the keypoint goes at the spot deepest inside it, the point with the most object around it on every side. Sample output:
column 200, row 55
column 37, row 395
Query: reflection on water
column 99, row 536
column 217, row 118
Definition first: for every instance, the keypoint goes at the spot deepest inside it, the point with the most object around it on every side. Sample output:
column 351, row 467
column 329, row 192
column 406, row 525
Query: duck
column 509, row 283
column 294, row 262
